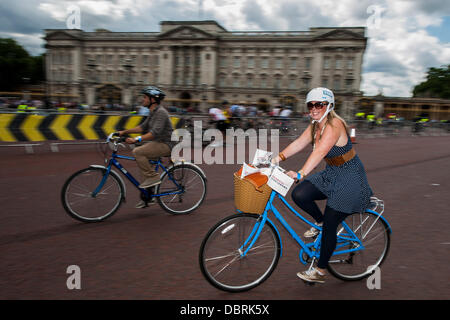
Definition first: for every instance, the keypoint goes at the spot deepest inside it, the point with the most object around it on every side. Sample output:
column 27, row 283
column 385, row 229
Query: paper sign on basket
column 261, row 156
column 280, row 182
column 247, row 170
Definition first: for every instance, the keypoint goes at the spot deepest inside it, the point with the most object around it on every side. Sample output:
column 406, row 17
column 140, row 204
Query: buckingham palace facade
column 202, row 62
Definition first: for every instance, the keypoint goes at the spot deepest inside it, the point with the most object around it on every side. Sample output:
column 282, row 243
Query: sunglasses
column 317, row 105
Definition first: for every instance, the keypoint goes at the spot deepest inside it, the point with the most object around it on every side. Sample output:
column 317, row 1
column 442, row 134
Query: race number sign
column 279, row 181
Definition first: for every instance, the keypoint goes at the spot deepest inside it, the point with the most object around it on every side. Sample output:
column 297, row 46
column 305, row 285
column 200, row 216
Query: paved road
column 148, row 254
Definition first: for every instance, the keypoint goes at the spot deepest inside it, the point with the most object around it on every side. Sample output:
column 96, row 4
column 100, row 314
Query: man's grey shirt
column 159, row 124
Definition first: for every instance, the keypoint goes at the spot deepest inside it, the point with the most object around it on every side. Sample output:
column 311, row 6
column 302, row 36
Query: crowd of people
column 22, row 105
column 233, row 110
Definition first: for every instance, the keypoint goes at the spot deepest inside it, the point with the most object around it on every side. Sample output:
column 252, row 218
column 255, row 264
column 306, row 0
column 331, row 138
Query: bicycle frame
column 113, row 161
column 311, row 249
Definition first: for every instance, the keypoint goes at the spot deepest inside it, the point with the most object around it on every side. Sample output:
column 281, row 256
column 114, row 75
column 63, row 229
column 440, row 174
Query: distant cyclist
column 157, row 132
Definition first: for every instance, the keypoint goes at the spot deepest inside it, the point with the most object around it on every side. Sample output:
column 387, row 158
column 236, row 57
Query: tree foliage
column 437, row 84
column 18, row 67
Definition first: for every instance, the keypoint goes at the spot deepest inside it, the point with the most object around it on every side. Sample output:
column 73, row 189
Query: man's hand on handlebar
column 120, row 136
column 130, row 140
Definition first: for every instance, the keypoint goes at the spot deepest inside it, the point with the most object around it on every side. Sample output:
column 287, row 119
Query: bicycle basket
column 247, row 198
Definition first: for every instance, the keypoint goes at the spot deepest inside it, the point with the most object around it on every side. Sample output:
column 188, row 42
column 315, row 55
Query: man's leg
column 150, row 151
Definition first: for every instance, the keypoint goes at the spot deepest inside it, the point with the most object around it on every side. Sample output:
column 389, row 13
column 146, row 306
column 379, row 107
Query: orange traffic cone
column 353, row 135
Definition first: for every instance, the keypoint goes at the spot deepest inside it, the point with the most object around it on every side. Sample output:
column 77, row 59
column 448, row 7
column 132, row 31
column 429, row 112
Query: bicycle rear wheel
column 220, row 256
column 374, row 235
column 185, row 187
column 80, row 202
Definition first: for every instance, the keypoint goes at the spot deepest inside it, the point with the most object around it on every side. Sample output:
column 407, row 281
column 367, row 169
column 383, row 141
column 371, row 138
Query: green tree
column 437, row 84
column 17, row 67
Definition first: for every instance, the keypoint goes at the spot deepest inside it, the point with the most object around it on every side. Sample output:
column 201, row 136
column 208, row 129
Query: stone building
column 405, row 107
column 200, row 62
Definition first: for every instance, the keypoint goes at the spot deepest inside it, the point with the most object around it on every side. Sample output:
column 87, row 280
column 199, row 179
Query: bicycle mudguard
column 114, row 174
column 181, row 162
column 382, row 218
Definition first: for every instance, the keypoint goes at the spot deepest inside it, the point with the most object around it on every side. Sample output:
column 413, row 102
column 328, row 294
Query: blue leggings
column 305, row 195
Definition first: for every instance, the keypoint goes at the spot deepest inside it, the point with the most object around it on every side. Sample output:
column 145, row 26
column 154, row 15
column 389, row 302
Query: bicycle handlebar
column 116, row 140
column 272, row 166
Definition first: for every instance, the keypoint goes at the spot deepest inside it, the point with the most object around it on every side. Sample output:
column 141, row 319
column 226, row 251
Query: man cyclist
column 157, row 132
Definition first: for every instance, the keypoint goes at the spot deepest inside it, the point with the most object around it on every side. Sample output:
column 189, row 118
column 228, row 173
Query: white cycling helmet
column 321, row 94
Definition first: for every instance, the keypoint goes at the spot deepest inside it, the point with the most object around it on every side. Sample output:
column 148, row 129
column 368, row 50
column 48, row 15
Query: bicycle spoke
column 79, row 202
column 103, row 190
column 190, row 188
column 81, row 195
column 232, row 270
column 221, row 257
column 226, row 266
column 374, row 238
column 85, row 189
column 252, row 253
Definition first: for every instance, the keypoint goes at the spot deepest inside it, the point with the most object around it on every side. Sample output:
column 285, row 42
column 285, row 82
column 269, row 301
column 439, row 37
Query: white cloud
column 114, row 9
column 33, row 43
column 399, row 51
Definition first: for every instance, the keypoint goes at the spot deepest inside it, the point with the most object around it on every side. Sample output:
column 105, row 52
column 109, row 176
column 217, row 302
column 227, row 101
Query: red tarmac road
column 149, row 254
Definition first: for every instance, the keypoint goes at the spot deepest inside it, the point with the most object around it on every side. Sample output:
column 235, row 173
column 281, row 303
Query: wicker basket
column 247, row 198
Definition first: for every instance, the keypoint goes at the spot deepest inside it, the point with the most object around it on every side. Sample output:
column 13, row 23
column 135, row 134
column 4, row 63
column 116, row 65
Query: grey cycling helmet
column 154, row 92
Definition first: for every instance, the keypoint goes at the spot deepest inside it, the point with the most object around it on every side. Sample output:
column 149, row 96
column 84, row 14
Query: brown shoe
column 312, row 275
column 150, row 182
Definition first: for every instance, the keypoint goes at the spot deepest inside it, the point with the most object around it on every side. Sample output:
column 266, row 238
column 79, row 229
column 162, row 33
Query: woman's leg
column 331, row 221
column 305, row 195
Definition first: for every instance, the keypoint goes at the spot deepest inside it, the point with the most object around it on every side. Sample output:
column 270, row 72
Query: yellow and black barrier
column 34, row 127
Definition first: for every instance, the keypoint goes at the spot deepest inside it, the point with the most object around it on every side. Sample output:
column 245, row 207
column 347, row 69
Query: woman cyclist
column 343, row 182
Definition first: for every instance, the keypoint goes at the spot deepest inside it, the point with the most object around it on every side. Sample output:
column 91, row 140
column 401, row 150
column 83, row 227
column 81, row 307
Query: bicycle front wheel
column 79, row 198
column 374, row 235
column 221, row 254
column 182, row 189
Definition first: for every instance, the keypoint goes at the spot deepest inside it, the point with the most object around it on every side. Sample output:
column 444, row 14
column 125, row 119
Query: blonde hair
column 330, row 116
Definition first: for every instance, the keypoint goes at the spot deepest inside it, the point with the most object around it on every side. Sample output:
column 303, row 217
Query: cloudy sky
column 406, row 37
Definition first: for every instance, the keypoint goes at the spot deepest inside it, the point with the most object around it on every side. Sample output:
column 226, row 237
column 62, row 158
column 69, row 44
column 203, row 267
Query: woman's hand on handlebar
column 276, row 161
column 292, row 174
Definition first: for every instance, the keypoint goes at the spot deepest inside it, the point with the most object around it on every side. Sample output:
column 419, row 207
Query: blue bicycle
column 96, row 193
column 241, row 251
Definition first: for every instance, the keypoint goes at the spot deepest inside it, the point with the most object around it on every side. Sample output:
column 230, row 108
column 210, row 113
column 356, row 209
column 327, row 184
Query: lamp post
column 25, row 95
column 81, row 90
column 128, row 67
column 204, row 88
column 91, row 66
column 127, row 64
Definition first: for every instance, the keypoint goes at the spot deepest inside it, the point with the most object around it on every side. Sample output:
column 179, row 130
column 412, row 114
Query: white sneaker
column 311, row 233
column 140, row 205
column 312, row 275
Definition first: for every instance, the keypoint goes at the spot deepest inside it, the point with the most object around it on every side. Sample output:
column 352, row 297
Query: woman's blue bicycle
column 241, row 251
column 96, row 193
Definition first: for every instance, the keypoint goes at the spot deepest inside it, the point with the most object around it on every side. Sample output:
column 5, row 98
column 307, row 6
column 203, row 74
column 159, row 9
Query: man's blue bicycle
column 241, row 251
column 96, row 193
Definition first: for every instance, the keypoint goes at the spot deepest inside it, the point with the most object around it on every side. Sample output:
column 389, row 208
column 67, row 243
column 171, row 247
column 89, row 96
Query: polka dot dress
column 345, row 186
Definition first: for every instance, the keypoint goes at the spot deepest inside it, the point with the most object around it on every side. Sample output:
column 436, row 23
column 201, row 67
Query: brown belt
column 340, row 160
